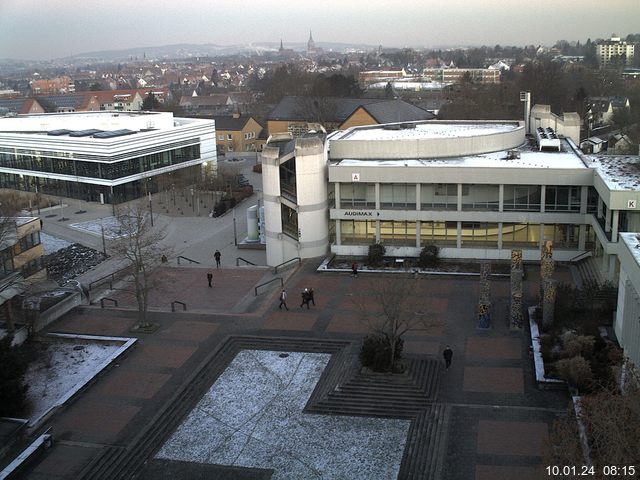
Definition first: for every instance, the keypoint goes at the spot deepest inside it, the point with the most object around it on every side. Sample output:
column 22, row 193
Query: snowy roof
column 619, row 172
column 429, row 130
column 529, row 157
column 632, row 241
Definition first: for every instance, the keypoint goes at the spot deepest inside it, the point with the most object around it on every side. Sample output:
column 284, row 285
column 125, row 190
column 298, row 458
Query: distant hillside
column 187, row 50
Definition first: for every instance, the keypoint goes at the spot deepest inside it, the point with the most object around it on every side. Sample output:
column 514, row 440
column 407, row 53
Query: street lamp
column 150, row 209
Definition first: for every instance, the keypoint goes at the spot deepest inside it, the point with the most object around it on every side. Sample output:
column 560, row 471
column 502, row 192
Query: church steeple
column 281, row 47
column 311, row 44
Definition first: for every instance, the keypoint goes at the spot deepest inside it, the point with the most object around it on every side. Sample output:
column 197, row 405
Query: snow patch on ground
column 252, row 417
column 60, row 366
column 52, row 244
column 94, row 227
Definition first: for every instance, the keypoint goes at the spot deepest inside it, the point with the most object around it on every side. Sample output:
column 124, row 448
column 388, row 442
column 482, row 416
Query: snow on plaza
column 61, row 366
column 252, row 417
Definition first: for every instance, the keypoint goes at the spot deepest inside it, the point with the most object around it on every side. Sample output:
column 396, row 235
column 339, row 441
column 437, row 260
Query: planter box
column 543, row 381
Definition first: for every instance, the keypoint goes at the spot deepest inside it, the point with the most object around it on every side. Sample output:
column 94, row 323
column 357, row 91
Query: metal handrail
column 111, row 276
column 244, row 260
column 115, row 302
column 275, row 269
column 192, row 261
column 581, row 256
column 173, row 306
column 267, row 283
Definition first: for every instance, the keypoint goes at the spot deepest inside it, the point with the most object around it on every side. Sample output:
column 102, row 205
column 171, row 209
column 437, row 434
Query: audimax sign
column 361, row 213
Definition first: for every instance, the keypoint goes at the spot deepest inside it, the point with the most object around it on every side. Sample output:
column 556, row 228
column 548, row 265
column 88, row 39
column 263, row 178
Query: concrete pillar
column 458, row 234
column 336, row 192
column 543, row 197
column 459, row 197
column 607, row 220
column 515, row 310
column 582, row 237
column 500, row 236
column 418, row 197
column 418, row 236
column 615, row 219
column 377, row 189
column 600, row 207
column 501, row 198
column 338, row 232
column 484, row 302
column 550, row 291
column 584, row 197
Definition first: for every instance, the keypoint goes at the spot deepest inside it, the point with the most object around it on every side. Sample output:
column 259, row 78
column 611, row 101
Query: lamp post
column 150, row 209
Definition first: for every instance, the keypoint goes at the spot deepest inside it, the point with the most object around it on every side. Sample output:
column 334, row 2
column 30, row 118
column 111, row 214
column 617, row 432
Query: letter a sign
column 355, row 177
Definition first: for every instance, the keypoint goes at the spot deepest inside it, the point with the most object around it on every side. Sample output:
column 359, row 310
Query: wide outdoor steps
column 380, row 395
column 589, row 271
column 342, row 390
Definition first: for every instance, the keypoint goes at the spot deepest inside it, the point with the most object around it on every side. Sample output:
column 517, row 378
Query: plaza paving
column 499, row 420
column 492, row 420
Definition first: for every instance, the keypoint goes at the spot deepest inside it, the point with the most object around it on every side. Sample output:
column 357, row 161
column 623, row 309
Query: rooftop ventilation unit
column 547, row 138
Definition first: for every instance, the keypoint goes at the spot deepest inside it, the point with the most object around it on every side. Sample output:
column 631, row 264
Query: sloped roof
column 230, row 123
column 397, row 111
column 337, row 110
column 52, row 103
column 16, row 105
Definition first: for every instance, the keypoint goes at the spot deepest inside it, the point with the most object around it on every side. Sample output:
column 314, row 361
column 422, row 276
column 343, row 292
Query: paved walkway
column 499, row 419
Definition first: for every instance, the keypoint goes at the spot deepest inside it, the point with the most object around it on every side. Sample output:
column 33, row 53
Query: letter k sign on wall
column 355, row 177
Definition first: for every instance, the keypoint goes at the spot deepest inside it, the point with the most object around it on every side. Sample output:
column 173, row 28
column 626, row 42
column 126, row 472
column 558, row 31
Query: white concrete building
column 103, row 156
column 614, row 48
column 475, row 189
column 627, row 325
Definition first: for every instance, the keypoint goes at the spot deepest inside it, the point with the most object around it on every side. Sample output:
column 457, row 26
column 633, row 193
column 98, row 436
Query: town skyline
column 75, row 27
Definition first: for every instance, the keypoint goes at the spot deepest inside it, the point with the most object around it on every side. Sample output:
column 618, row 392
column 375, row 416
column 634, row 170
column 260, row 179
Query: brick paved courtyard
column 499, row 420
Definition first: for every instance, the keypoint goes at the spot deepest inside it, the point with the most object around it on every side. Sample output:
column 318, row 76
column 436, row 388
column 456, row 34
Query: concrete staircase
column 588, row 271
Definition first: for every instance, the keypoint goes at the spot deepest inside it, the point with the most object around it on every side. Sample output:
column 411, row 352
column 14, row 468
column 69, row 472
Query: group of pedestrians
column 307, row 297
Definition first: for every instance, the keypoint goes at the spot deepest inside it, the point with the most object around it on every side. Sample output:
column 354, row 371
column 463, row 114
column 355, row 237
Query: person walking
column 217, row 256
column 305, row 298
column 448, row 355
column 283, row 300
column 209, row 278
column 354, row 269
column 311, row 297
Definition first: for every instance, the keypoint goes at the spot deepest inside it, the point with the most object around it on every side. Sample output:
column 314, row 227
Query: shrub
column 429, row 256
column 13, row 391
column 376, row 254
column 376, row 352
column 576, row 371
column 577, row 345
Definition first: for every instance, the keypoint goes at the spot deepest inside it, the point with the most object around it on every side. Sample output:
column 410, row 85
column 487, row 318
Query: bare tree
column 142, row 246
column 609, row 423
column 10, row 279
column 393, row 306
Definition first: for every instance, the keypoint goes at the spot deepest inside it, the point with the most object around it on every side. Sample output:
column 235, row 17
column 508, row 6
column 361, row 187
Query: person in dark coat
column 217, row 256
column 448, row 355
column 354, row 270
column 209, row 278
column 311, row 297
column 305, row 298
column 283, row 300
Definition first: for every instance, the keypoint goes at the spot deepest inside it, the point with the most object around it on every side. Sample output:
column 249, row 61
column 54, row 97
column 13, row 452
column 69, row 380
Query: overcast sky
column 45, row 29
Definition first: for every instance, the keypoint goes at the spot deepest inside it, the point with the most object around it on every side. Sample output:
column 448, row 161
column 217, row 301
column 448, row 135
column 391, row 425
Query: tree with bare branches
column 10, row 279
column 605, row 431
column 142, row 247
column 392, row 306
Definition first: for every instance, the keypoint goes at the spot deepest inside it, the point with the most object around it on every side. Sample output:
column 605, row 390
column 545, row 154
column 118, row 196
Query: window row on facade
column 445, row 196
column 452, row 234
column 101, row 170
